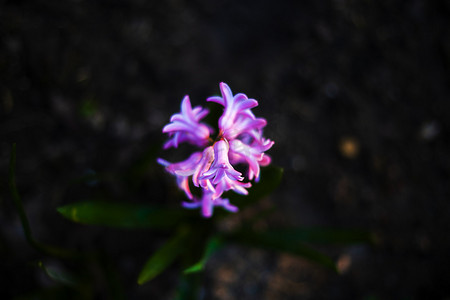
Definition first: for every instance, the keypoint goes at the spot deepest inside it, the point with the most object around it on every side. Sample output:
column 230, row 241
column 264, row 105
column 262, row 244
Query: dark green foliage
column 213, row 244
column 195, row 241
column 122, row 215
column 165, row 255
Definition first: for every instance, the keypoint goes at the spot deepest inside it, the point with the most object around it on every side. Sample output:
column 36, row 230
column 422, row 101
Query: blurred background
column 356, row 95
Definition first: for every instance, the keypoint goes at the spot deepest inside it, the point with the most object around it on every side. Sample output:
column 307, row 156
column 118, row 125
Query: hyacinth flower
column 222, row 164
column 239, row 142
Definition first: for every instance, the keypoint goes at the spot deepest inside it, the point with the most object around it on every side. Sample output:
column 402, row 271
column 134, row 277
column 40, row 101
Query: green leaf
column 268, row 240
column 59, row 276
column 214, row 244
column 164, row 256
column 123, row 215
column 270, row 180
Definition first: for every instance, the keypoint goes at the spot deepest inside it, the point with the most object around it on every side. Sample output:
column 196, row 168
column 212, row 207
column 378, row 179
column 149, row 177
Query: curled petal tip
column 163, row 162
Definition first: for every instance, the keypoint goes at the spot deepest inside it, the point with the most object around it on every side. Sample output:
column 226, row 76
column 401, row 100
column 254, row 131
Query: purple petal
column 221, row 166
column 230, row 207
column 216, row 99
column 191, row 205
column 207, row 205
column 251, row 154
column 163, row 162
column 183, row 184
column 185, row 167
column 185, row 126
column 226, row 93
column 203, row 165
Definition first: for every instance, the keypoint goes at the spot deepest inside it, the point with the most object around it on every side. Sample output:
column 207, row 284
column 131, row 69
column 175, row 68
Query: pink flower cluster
column 239, row 141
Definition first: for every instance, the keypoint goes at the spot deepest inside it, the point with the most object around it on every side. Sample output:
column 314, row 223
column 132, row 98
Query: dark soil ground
column 356, row 95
